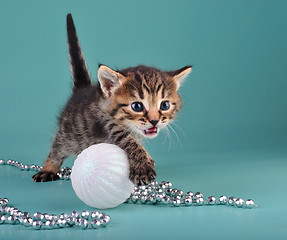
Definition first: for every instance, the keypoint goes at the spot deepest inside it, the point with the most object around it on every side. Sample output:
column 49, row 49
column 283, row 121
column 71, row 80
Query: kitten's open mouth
column 151, row 131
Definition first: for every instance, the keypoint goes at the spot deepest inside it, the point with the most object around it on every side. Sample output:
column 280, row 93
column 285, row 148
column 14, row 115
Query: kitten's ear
column 109, row 79
column 180, row 74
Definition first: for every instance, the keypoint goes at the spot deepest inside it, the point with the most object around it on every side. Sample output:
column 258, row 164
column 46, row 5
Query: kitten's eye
column 137, row 106
column 164, row 105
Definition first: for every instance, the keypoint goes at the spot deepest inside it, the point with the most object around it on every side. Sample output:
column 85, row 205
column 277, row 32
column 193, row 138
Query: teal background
column 232, row 130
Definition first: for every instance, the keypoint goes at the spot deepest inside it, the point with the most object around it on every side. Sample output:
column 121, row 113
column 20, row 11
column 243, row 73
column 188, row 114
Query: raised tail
column 79, row 69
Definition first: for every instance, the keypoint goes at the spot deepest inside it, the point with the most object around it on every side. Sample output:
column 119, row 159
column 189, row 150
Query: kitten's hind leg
column 50, row 168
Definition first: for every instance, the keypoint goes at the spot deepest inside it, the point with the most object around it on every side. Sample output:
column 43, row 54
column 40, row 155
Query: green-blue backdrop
column 230, row 137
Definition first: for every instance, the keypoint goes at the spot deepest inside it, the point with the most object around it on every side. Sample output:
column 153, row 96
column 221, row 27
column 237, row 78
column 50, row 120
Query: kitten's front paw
column 45, row 176
column 142, row 174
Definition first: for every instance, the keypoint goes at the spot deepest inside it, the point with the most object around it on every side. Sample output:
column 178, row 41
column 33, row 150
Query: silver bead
column 75, row 214
column 176, row 202
column 63, row 216
column 134, row 198
column 63, row 176
column 101, row 215
column 8, row 209
column 239, row 202
column 85, row 214
column 189, row 194
column 21, row 219
column 152, row 198
column 159, row 197
column 166, row 200
column 6, row 200
column 211, row 200
column 26, row 167
column 173, row 191
column 47, row 217
column 107, row 218
column 11, row 219
column 154, row 184
column 20, row 214
column 95, row 214
column 61, row 222
column 142, row 188
column 143, row 199
column 3, row 203
column 149, row 189
column 222, row 200
column 26, row 214
column 104, row 222
column 37, row 224
column 60, row 175
column 22, row 167
column 54, row 217
column 82, row 223
column 168, row 184
column 32, row 167
column 2, row 219
column 27, row 222
column 38, row 168
column 14, row 212
column 9, row 162
column 50, row 224
column 250, row 203
column 2, row 210
column 199, row 201
column 198, row 195
column 168, row 191
column 180, row 192
column 2, row 162
column 144, row 193
column 159, row 190
column 136, row 192
column 177, row 197
column 162, row 185
column 231, row 201
column 71, row 221
column 188, row 201
column 77, row 221
column 37, row 216
column 96, row 224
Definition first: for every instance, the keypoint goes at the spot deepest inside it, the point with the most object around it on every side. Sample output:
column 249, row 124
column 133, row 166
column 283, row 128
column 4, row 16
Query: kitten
column 122, row 108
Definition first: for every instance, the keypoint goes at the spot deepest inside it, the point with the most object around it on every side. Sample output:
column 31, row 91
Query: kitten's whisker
column 174, row 133
column 171, row 142
column 183, row 133
column 166, row 135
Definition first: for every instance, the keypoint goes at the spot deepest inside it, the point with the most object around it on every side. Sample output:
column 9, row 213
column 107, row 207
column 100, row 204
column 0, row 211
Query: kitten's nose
column 153, row 122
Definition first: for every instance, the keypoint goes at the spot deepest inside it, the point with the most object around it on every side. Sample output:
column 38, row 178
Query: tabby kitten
column 122, row 108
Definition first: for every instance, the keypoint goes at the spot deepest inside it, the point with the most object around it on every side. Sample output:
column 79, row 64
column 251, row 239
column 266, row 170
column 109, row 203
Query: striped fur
column 103, row 112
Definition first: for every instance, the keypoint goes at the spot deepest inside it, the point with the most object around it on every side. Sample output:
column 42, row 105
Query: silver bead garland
column 11, row 215
column 154, row 193
column 163, row 193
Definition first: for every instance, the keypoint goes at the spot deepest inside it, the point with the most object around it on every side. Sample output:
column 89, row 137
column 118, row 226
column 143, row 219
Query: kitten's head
column 143, row 99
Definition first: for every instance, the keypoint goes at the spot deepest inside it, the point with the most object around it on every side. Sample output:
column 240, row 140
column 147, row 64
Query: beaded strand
column 154, row 193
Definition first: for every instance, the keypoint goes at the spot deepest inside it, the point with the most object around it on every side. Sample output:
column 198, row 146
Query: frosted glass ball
column 100, row 176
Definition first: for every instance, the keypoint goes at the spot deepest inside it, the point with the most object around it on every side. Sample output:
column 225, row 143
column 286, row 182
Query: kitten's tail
column 79, row 69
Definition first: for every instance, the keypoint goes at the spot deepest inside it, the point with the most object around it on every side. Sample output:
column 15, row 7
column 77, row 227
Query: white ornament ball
column 100, row 176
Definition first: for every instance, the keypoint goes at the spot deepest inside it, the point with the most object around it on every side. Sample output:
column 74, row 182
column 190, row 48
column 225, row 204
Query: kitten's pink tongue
column 152, row 130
